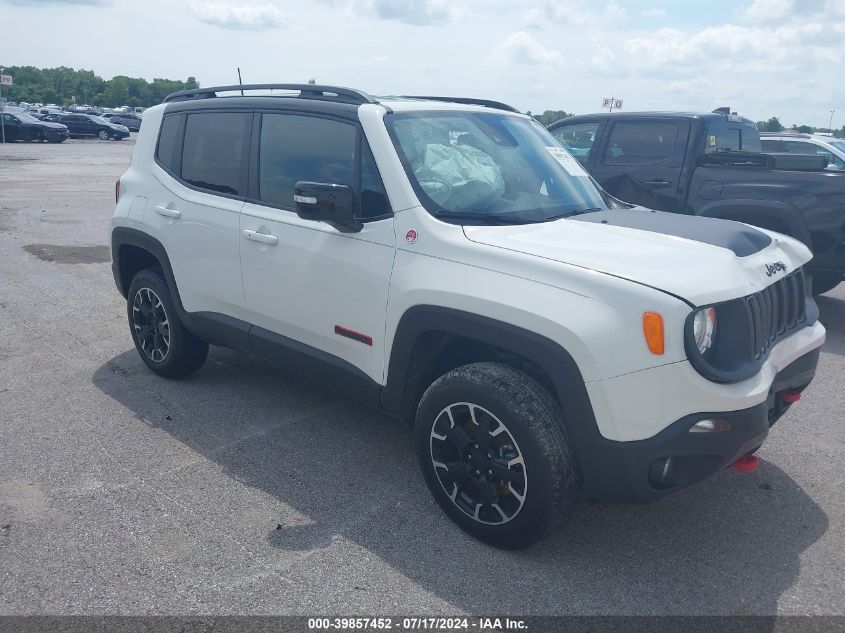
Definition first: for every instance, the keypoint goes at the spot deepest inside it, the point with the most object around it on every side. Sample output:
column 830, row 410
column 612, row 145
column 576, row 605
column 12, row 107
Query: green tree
column 65, row 85
column 550, row 116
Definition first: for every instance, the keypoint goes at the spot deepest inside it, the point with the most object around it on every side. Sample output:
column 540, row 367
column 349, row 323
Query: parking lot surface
column 243, row 490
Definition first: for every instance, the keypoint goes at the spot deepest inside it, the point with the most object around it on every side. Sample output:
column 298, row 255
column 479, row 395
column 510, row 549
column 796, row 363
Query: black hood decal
column 743, row 240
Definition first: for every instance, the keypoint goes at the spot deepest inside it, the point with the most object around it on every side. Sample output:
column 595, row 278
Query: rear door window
column 732, row 135
column 641, row 143
column 213, row 151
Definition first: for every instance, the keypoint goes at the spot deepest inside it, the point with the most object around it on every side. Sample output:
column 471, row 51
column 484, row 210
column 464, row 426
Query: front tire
column 163, row 342
column 496, row 455
column 103, row 135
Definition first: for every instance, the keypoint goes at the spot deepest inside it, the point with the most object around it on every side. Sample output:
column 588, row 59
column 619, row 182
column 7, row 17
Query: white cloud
column 767, row 10
column 522, row 49
column 576, row 13
column 653, row 13
column 417, row 12
column 253, row 17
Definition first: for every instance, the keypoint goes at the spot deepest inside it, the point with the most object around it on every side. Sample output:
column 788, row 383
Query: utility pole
column 830, row 123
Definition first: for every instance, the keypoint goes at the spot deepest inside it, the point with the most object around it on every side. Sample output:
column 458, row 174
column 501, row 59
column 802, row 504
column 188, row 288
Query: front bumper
column 632, row 472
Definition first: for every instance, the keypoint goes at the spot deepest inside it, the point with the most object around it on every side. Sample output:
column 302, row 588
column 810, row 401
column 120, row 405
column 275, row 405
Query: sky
column 762, row 58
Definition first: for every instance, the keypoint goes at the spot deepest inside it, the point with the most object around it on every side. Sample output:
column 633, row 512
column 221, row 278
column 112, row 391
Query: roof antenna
column 240, row 83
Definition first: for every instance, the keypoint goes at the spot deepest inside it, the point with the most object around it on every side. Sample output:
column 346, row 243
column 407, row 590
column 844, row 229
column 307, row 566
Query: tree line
column 68, row 86
column 774, row 125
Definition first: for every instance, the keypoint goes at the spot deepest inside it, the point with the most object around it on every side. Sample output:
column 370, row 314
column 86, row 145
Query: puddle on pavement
column 70, row 254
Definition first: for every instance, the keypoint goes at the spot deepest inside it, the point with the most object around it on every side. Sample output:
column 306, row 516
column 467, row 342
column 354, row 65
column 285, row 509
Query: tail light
column 117, row 191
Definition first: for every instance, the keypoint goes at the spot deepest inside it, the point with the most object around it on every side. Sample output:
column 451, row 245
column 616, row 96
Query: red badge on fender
column 411, row 236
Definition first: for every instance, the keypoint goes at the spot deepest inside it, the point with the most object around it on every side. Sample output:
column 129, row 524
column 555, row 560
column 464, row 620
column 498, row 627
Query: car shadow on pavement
column 731, row 545
column 832, row 316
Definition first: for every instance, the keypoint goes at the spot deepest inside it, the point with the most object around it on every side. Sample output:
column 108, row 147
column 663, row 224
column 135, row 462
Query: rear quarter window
column 169, row 142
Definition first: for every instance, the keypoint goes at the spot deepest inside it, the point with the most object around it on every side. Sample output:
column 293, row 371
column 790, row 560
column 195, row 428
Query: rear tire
column 162, row 340
column 496, row 455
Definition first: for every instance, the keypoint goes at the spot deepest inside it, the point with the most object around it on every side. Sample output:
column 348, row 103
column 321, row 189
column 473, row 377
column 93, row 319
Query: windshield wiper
column 485, row 218
column 571, row 213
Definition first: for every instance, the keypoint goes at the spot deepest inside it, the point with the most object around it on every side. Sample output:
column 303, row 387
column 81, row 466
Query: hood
column 701, row 260
column 55, row 126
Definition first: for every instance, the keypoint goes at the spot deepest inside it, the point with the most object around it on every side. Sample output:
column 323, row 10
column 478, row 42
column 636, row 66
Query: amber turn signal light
column 653, row 331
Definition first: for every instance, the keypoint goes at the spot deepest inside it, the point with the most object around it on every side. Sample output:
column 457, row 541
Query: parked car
column 709, row 164
column 806, row 144
column 89, row 125
column 447, row 261
column 20, row 126
column 131, row 121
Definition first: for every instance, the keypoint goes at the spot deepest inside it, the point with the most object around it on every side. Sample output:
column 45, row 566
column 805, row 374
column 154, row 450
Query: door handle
column 658, row 184
column 168, row 212
column 263, row 238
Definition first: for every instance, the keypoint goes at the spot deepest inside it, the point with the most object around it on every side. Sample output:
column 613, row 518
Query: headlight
column 704, row 328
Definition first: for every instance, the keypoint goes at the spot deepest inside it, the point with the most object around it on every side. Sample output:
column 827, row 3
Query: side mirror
column 324, row 202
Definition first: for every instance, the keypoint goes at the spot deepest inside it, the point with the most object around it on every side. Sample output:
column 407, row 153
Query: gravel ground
column 241, row 490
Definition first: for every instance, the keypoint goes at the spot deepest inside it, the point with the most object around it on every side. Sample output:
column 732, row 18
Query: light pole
column 2, row 110
column 830, row 123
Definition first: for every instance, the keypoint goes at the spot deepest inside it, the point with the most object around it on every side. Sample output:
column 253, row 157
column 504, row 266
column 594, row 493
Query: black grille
column 775, row 311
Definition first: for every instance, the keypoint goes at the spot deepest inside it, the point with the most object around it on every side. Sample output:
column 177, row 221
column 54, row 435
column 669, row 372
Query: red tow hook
column 748, row 463
column 790, row 395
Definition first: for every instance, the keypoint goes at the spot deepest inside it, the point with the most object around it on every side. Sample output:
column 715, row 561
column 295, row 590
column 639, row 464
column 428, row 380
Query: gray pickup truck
column 711, row 164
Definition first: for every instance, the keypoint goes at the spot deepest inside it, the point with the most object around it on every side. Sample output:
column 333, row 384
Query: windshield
column 489, row 167
column 840, row 145
column 26, row 118
column 99, row 119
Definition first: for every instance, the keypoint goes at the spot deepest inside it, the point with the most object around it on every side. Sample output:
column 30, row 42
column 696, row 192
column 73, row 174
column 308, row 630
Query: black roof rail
column 498, row 105
column 306, row 91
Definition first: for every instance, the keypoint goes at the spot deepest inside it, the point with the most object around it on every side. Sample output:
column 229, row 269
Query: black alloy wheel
column 478, row 463
column 151, row 324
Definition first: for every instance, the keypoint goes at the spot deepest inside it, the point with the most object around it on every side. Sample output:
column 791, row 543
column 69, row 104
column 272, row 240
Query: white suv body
column 807, row 144
column 416, row 300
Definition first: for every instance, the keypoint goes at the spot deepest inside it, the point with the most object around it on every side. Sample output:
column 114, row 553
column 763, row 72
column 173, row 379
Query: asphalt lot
column 242, row 490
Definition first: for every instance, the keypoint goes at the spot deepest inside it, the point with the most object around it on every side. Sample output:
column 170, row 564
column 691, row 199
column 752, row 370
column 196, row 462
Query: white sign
column 616, row 104
column 572, row 166
column 6, row 80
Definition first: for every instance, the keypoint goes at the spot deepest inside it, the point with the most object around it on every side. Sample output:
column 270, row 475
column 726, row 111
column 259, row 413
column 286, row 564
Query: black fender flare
column 757, row 212
column 549, row 356
column 123, row 236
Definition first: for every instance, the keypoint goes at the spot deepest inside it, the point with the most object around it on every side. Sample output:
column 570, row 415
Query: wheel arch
column 431, row 340
column 410, row 372
column 133, row 250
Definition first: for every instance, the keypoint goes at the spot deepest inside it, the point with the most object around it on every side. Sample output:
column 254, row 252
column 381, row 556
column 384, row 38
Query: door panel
column 199, row 231
column 305, row 278
column 195, row 211
column 641, row 161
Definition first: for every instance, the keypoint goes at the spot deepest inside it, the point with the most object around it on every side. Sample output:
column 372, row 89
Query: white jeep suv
column 447, row 261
